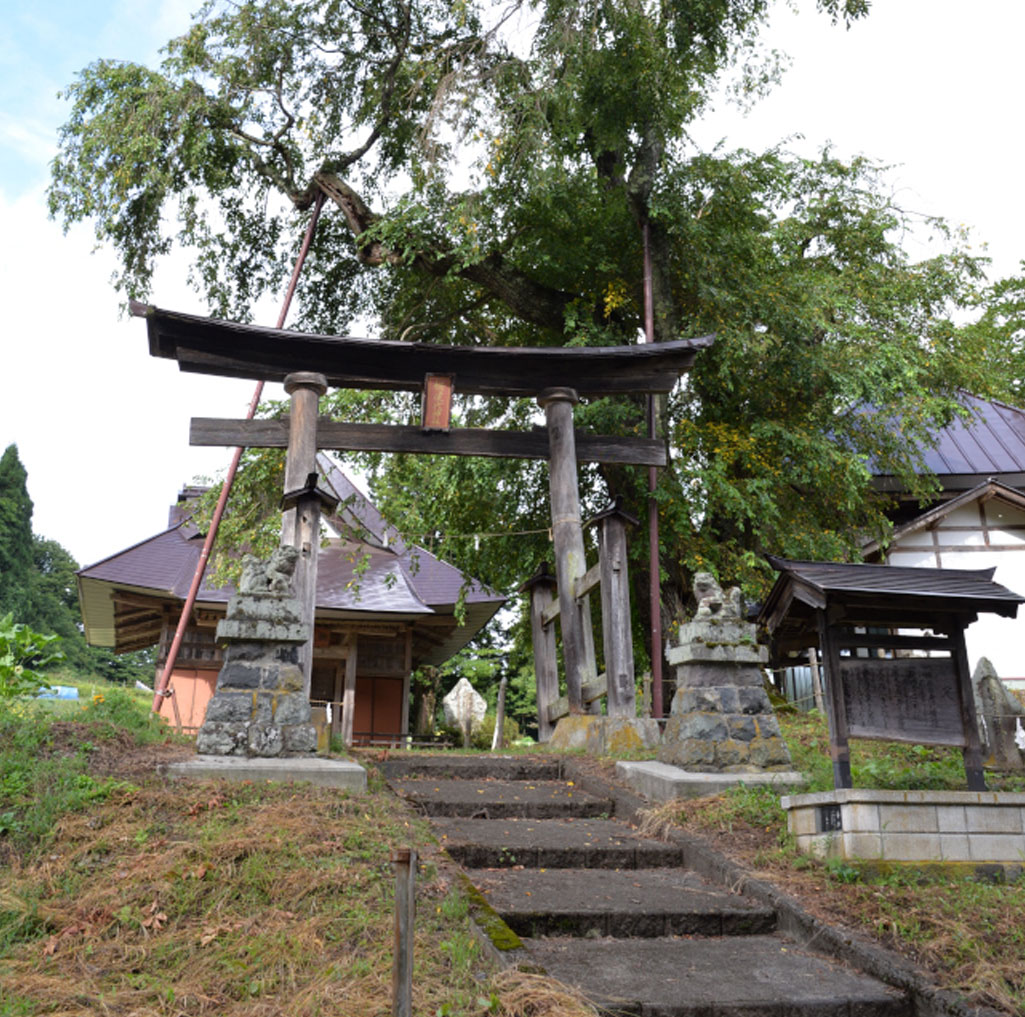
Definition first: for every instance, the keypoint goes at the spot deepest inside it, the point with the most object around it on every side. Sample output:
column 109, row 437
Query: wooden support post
column 406, row 688
column 404, row 860
column 816, row 680
column 498, row 739
column 337, row 697
column 300, row 526
column 349, row 698
column 972, row 747
column 568, row 537
column 541, row 587
column 835, row 706
column 615, row 610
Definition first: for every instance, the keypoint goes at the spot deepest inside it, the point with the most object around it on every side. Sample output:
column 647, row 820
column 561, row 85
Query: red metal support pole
column 204, row 556
column 654, row 591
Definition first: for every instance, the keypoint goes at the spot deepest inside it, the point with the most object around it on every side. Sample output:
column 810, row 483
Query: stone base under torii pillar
column 604, row 736
column 721, row 720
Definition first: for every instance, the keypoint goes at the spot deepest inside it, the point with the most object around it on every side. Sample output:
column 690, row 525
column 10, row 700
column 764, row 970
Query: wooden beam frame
column 340, row 437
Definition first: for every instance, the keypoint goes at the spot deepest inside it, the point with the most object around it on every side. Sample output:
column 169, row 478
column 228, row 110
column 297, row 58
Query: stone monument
column 1000, row 719
column 259, row 707
column 464, row 708
column 721, row 719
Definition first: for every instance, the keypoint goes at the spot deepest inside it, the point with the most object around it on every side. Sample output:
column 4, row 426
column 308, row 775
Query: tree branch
column 526, row 298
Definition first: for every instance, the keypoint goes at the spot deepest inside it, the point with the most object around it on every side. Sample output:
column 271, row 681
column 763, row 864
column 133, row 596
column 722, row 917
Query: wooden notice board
column 905, row 700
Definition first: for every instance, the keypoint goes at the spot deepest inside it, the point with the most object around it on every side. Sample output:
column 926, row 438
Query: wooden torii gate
column 308, row 364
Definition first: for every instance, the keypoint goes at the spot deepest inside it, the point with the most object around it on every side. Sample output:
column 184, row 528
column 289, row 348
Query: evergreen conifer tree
column 17, row 565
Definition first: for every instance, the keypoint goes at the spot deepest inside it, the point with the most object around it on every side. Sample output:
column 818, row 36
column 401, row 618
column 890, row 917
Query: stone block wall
column 910, row 826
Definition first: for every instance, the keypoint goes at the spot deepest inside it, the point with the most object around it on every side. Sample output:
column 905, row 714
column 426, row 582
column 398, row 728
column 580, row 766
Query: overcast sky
column 102, row 428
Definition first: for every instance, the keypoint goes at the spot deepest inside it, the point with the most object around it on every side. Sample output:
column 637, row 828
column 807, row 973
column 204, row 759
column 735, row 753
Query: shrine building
column 976, row 519
column 383, row 609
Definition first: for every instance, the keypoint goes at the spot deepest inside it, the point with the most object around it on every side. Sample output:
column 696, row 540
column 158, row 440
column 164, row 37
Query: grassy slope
column 123, row 897
column 969, row 933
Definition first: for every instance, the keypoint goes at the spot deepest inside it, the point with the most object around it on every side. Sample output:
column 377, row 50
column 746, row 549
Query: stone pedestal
column 259, row 707
column 721, row 720
column 604, row 736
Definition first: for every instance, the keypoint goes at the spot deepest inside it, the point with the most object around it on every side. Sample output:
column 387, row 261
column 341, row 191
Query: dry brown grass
column 242, row 901
column 523, row 994
column 236, row 901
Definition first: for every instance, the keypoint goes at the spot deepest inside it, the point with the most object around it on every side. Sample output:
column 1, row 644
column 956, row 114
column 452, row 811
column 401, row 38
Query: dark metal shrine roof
column 210, row 346
column 990, row 442
column 873, row 592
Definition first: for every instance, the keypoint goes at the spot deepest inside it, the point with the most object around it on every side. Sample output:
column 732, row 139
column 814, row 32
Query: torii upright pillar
column 300, row 523
column 568, row 537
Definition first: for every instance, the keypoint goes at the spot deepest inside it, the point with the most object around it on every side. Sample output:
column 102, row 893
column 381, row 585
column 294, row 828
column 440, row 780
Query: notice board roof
column 211, row 346
column 878, row 594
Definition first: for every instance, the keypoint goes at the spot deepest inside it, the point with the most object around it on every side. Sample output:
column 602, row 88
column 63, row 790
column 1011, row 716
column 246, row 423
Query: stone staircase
column 618, row 915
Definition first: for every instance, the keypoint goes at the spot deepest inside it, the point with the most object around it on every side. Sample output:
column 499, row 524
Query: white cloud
column 101, row 427
column 31, row 139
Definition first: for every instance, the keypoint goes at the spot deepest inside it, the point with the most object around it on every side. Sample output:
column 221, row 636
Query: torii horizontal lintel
column 231, row 349
column 342, row 437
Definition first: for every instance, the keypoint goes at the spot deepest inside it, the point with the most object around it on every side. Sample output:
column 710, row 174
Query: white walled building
column 977, row 522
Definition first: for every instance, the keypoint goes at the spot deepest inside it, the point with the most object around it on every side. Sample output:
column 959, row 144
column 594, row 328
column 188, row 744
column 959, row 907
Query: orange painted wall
column 193, row 690
column 378, row 706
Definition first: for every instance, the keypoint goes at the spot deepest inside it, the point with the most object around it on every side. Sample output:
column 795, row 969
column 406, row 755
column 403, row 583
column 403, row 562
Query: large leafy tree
column 491, row 169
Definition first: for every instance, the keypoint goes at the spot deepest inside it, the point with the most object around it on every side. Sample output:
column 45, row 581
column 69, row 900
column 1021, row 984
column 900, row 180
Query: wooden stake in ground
column 498, row 739
column 816, row 680
column 404, row 860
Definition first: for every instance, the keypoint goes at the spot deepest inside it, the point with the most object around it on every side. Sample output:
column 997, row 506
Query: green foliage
column 38, row 586
column 41, row 779
column 15, row 536
column 490, row 182
column 117, row 710
column 23, row 654
column 482, row 737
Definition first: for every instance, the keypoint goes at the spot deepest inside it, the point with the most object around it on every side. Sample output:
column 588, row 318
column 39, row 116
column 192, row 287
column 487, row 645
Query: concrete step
column 743, row 976
column 552, row 844
column 472, row 767
column 501, row 799
column 609, row 902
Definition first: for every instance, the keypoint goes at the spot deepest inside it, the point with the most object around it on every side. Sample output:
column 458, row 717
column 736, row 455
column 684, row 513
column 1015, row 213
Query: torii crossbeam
column 556, row 376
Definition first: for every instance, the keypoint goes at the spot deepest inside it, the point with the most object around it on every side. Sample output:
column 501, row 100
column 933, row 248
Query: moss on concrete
column 488, row 920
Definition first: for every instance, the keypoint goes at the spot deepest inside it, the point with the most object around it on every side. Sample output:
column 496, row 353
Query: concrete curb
column 339, row 773
column 662, row 781
column 929, row 1000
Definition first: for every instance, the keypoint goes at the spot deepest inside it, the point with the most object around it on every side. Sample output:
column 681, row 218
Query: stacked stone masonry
column 721, row 719
column 259, row 707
